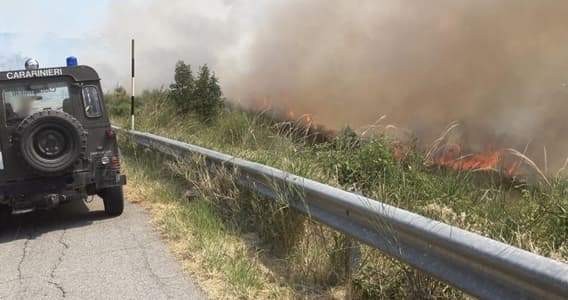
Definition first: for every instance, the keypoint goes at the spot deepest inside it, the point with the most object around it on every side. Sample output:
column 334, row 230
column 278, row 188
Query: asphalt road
column 76, row 252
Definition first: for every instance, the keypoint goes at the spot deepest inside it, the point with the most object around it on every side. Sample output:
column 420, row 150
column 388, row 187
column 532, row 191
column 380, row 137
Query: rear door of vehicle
column 14, row 167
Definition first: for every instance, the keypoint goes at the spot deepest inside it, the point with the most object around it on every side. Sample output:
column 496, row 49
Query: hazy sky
column 47, row 30
column 68, row 18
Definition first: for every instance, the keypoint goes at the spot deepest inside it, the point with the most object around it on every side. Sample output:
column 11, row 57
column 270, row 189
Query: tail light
column 115, row 162
column 110, row 134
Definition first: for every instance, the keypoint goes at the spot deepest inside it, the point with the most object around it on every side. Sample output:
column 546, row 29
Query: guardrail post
column 352, row 263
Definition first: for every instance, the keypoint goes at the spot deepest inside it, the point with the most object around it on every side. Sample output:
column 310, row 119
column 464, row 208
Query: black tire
column 51, row 141
column 113, row 199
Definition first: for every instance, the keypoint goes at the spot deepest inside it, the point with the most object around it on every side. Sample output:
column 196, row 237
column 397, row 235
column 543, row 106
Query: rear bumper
column 76, row 184
column 41, row 185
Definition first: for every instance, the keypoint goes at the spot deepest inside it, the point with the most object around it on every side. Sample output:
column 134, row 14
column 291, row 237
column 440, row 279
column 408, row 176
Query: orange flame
column 450, row 156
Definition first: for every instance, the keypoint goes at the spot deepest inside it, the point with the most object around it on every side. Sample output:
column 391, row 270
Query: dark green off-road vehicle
column 56, row 141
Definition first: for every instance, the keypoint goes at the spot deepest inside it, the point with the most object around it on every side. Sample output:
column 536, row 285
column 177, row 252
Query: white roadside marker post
column 132, row 92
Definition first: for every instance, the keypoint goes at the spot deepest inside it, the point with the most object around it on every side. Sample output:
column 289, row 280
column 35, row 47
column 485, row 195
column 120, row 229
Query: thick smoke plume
column 499, row 67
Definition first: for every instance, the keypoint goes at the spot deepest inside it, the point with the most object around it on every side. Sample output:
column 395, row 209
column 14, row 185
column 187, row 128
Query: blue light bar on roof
column 72, row 61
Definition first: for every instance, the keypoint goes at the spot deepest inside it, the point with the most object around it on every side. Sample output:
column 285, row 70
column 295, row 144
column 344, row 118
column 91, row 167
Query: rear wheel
column 51, row 141
column 113, row 199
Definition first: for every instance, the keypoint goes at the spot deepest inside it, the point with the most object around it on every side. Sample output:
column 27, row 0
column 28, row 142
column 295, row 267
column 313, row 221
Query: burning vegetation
column 452, row 151
column 449, row 151
column 507, row 162
column 497, row 67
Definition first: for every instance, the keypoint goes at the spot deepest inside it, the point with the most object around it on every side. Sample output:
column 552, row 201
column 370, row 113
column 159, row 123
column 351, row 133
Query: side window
column 92, row 102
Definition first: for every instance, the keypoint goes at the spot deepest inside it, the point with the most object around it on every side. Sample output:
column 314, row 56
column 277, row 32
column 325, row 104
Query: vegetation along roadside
column 260, row 249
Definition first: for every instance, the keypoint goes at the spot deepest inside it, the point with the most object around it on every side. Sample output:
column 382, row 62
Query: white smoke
column 198, row 32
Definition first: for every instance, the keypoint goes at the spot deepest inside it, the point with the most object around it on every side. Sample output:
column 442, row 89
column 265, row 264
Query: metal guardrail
column 479, row 266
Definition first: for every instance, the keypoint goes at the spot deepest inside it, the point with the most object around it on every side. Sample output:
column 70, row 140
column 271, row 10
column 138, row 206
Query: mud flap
column 121, row 179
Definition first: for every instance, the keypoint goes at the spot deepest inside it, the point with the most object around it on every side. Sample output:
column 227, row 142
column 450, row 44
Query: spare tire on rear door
column 51, row 141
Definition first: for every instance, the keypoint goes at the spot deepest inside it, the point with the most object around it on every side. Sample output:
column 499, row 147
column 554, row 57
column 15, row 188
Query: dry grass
column 225, row 264
column 440, row 141
column 530, row 163
column 210, row 234
column 562, row 169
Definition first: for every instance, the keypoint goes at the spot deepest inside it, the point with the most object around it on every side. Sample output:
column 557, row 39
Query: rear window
column 23, row 100
column 92, row 102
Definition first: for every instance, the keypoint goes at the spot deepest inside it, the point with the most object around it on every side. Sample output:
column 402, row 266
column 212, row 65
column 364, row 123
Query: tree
column 213, row 103
column 201, row 96
column 207, row 95
column 215, row 92
column 181, row 91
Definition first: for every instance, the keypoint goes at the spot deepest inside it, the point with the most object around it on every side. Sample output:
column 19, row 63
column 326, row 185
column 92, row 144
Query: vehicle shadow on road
column 69, row 215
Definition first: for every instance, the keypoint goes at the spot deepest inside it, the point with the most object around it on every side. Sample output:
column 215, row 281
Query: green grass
column 534, row 217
